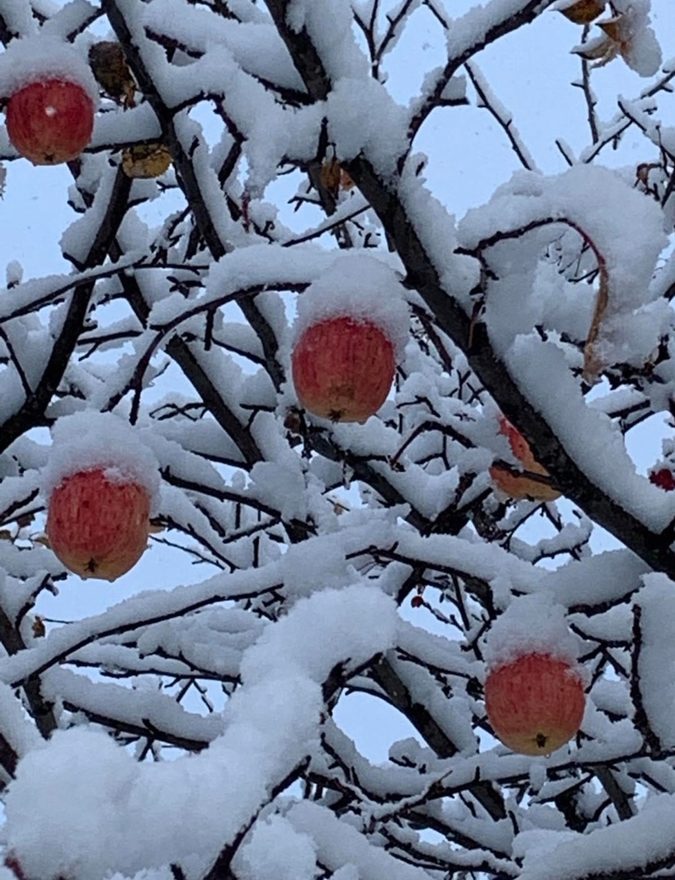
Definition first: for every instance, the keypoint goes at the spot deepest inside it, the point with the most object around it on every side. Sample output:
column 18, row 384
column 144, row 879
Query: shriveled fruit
column 51, row 121
column 343, row 368
column 98, row 526
column 109, row 65
column 146, row 160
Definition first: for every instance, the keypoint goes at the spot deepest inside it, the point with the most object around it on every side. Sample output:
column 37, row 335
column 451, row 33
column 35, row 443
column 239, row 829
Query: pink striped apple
column 98, row 526
column 534, row 703
column 343, row 368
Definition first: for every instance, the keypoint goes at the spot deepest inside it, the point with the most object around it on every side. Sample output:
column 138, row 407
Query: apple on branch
column 101, row 484
column 664, row 478
column 50, row 121
column 519, row 485
column 98, row 525
column 343, row 369
column 534, row 703
column 351, row 329
column 534, row 687
column 50, row 98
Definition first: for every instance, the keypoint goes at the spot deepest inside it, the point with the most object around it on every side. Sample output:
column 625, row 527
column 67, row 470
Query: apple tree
column 330, row 402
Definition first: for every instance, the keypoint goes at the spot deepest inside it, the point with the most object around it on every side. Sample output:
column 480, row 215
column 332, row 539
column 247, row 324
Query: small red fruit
column 51, row 121
column 517, row 485
column 98, row 527
column 664, row 478
column 535, row 704
column 343, row 368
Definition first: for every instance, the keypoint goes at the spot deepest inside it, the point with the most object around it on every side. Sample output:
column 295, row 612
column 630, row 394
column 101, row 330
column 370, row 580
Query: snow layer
column 625, row 848
column 656, row 657
column 362, row 287
column 92, row 440
column 623, row 226
column 34, row 58
column 532, row 624
column 590, row 437
column 81, row 805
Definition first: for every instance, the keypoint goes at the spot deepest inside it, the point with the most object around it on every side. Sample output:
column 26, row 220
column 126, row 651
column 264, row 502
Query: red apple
column 535, row 703
column 517, row 485
column 343, row 368
column 98, row 527
column 664, row 478
column 51, row 121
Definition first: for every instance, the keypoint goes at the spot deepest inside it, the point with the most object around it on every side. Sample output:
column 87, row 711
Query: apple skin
column 98, row 527
column 664, row 478
column 535, row 703
column 51, row 121
column 516, row 485
column 343, row 369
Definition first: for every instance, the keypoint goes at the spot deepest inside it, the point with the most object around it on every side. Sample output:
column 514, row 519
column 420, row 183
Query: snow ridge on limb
column 271, row 724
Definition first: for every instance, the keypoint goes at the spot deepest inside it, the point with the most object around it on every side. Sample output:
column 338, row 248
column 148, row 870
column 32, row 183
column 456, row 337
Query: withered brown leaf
column 146, row 160
column 111, row 71
column 582, row 11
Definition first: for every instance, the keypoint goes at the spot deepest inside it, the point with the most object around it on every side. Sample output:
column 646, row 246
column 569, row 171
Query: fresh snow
column 36, row 58
column 90, row 441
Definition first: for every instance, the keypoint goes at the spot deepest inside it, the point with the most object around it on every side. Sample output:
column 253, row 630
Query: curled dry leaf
column 628, row 36
column 111, row 71
column 330, row 175
column 592, row 360
column 602, row 50
column 616, row 29
column 581, row 11
column 146, row 160
column 334, row 177
column 346, row 182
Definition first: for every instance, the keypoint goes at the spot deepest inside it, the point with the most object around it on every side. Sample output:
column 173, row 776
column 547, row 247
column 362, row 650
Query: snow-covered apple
column 343, row 368
column 98, row 524
column 50, row 121
column 517, row 485
column 534, row 703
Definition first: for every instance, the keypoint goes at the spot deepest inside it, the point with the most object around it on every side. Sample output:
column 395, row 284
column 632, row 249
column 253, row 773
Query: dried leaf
column 146, row 160
column 156, row 526
column 346, row 182
column 592, row 361
column 39, row 628
column 615, row 29
column 330, row 175
column 582, row 11
column 601, row 49
column 112, row 73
